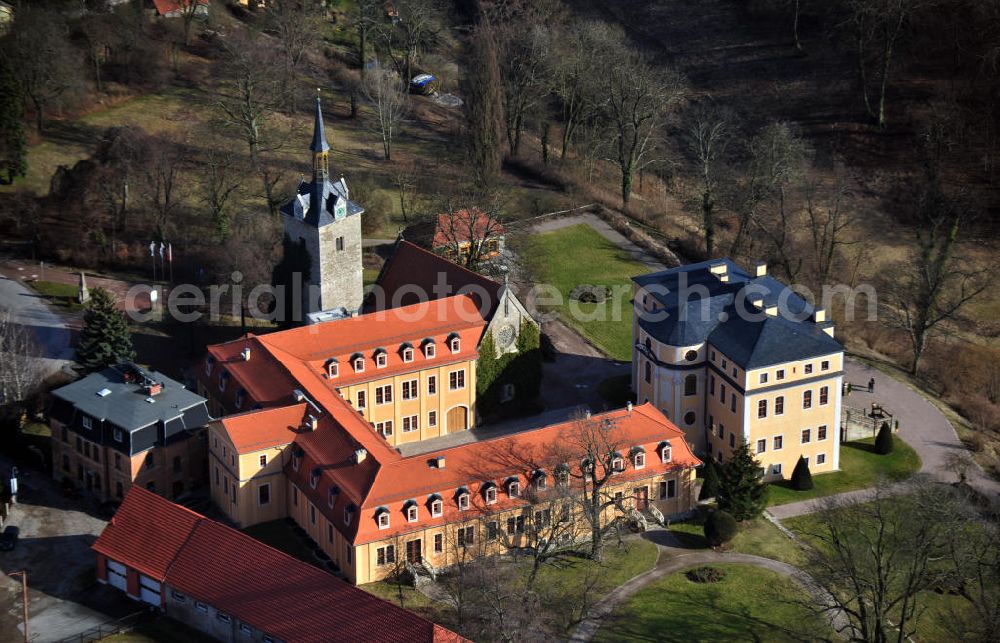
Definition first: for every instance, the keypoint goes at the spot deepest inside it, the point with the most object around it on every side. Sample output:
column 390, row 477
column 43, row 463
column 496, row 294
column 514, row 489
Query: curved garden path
column 674, row 558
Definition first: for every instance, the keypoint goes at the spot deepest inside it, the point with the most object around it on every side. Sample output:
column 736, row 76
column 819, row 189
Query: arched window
column 691, row 385
column 332, row 368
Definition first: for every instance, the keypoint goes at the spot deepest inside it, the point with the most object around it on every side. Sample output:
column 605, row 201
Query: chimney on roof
column 360, row 455
column 154, row 388
column 760, row 269
column 439, row 462
column 628, row 407
column 246, row 354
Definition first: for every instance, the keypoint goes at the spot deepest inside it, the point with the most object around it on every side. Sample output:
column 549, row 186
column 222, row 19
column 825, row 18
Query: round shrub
column 589, row 294
column 705, row 575
column 720, row 528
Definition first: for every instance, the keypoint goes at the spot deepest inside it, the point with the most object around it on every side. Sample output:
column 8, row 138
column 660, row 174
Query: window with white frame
column 776, row 469
column 807, row 369
column 779, row 405
column 779, row 374
column 824, row 365
column 385, row 555
column 824, row 395
column 761, row 409
column 432, row 418
column 778, row 442
column 437, row 507
column 513, row 488
column 807, row 399
column 381, row 360
column 332, row 368
column 455, row 344
column 362, row 399
column 432, row 385
column 763, row 378
column 639, row 460
column 820, row 458
column 331, row 496
column 412, row 513
column 463, row 501
column 761, row 445
column 263, row 460
column 821, row 432
column 429, row 350
column 456, row 380
column 806, row 436
column 359, row 364
column 410, row 389
column 383, row 519
column 666, row 454
column 490, row 494
column 313, row 478
column 617, row 464
column 385, row 428
column 410, row 423
column 383, row 394
column 348, row 515
column 87, row 422
column 407, row 354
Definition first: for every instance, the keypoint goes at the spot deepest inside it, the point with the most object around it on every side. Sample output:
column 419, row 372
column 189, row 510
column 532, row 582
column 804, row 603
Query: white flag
column 152, row 245
column 162, row 248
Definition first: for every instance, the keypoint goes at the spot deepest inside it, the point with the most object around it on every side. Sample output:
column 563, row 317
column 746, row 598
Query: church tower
column 323, row 219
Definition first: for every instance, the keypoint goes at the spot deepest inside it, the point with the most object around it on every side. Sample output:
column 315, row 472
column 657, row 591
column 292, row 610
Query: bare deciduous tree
column 219, row 180
column 830, row 221
column 577, row 60
column 639, row 97
column 386, row 93
column 708, row 134
column 415, row 27
column 20, row 372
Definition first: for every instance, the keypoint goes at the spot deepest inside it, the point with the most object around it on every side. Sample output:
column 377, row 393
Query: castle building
column 737, row 357
column 126, row 426
column 327, row 225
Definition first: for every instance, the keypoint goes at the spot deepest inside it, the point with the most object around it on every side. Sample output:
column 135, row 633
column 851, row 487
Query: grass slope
column 749, row 604
column 578, row 255
column 860, row 467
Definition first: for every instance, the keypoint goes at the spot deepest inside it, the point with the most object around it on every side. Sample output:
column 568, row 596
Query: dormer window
column 490, row 493
column 562, row 475
column 412, row 512
column 513, row 488
column 587, row 467
column 429, row 349
column 348, row 514
column 358, row 362
column 314, row 477
column 407, row 353
column 209, row 361
column 463, row 500
column 454, row 342
column 331, row 495
column 223, row 380
column 382, row 517
column 437, row 506
column 332, row 368
column 639, row 460
column 381, row 358
column 540, row 480
column 297, row 458
column 240, row 398
column 666, row 454
column 617, row 463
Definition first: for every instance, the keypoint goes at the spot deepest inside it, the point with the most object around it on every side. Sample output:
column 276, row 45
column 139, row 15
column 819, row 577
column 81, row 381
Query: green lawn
column 578, row 255
column 860, row 467
column 281, row 535
column 63, row 295
column 749, row 604
column 758, row 537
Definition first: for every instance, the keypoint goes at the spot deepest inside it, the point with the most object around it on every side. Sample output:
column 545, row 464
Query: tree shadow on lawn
column 708, row 614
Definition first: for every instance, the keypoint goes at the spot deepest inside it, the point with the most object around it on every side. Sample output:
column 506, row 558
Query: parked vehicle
column 8, row 539
column 425, row 84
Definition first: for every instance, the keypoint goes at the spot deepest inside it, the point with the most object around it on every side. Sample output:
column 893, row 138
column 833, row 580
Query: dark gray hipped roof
column 325, row 196
column 125, row 402
column 699, row 307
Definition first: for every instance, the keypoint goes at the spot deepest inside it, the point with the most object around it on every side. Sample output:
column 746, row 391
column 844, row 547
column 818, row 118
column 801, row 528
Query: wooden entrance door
column 641, row 498
column 413, row 555
column 458, row 419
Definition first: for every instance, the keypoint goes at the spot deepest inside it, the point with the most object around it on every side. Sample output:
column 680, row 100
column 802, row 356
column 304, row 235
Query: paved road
column 50, row 329
column 56, row 534
column 674, row 558
column 921, row 425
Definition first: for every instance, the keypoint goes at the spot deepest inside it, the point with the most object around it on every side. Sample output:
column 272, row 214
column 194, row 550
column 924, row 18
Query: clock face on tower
column 505, row 336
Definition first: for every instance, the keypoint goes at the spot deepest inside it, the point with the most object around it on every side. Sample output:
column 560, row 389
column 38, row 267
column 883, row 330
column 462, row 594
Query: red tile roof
column 251, row 581
column 455, row 229
column 146, row 532
column 412, row 273
column 264, row 429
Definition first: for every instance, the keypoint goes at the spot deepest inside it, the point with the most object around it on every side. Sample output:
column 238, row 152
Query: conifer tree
column 105, row 339
column 741, row 492
column 802, row 479
column 13, row 150
column 710, row 483
column 883, row 441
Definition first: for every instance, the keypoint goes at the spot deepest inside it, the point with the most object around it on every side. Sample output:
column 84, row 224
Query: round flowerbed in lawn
column 705, row 574
column 747, row 604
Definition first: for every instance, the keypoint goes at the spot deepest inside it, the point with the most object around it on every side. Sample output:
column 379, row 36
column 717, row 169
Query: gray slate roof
column 126, row 406
column 325, row 196
column 699, row 307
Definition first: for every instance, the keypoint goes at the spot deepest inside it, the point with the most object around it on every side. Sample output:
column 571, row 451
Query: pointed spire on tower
column 319, row 143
